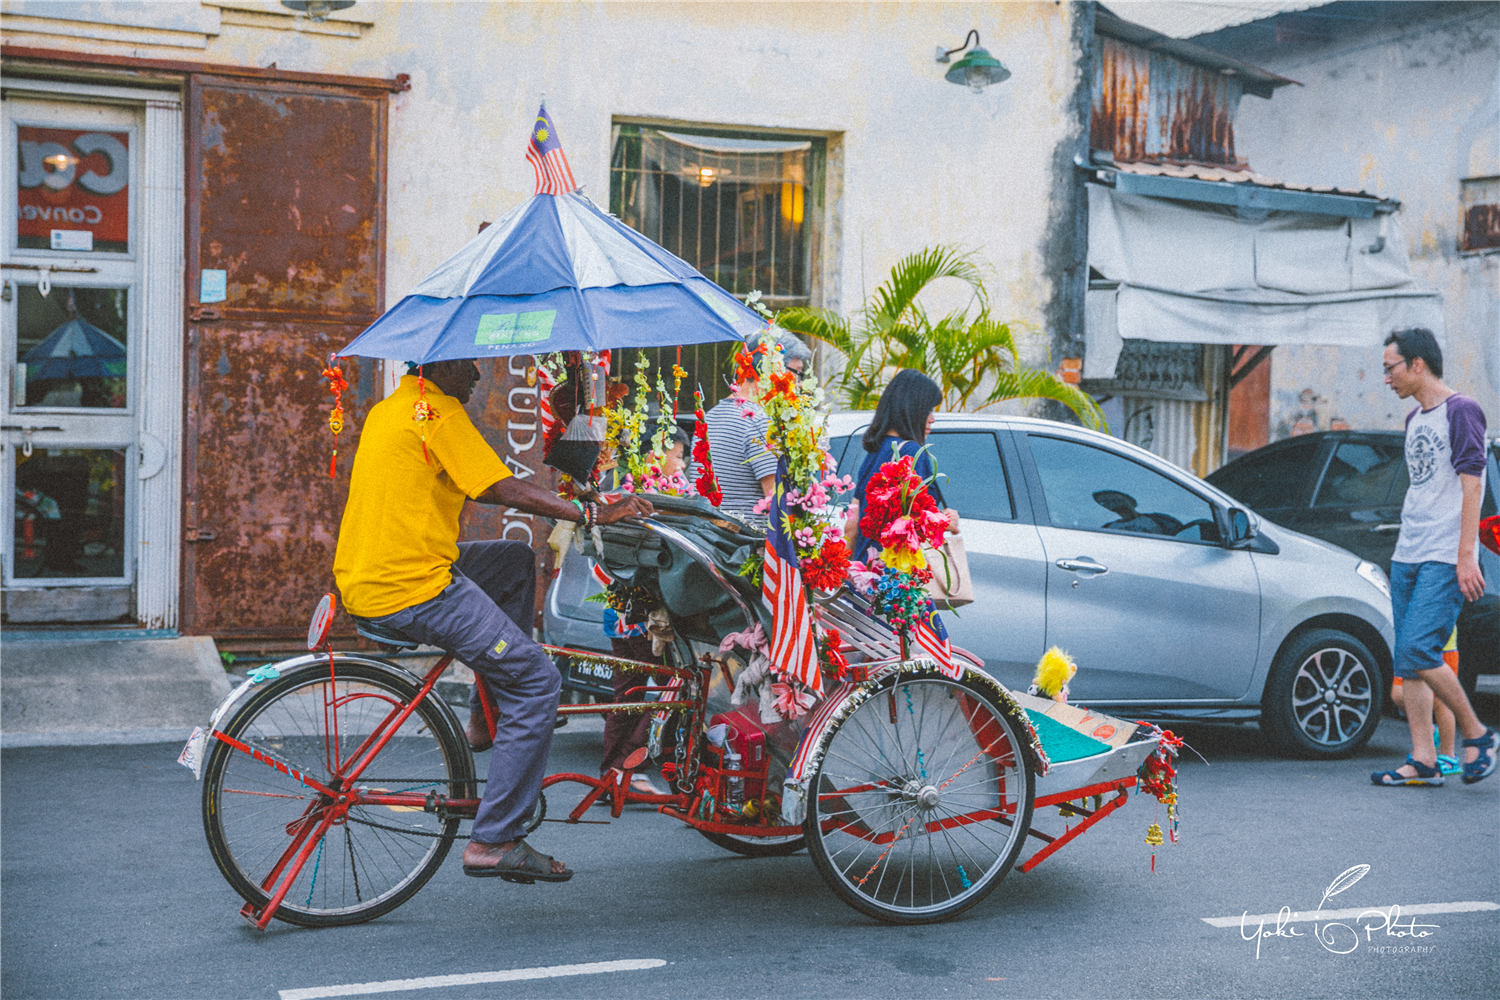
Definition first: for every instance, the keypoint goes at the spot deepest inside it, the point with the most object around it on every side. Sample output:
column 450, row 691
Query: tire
column 380, row 856
column 1324, row 696
column 876, row 779
column 756, row 847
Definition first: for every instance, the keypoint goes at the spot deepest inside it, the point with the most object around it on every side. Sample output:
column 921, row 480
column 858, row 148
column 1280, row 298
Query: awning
column 1205, row 273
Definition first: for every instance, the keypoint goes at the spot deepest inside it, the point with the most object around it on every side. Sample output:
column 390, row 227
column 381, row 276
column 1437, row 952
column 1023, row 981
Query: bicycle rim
column 363, row 865
column 922, row 802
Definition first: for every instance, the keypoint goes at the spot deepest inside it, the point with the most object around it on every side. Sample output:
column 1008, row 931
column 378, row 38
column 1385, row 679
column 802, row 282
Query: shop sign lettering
column 76, row 181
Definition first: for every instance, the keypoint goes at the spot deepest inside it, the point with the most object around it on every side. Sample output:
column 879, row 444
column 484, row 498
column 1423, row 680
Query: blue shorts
column 1425, row 601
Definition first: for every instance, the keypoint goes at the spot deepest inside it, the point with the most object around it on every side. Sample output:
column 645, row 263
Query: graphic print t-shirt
column 1441, row 444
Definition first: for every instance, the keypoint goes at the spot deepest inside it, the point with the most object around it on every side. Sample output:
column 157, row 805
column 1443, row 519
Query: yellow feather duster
column 1053, row 671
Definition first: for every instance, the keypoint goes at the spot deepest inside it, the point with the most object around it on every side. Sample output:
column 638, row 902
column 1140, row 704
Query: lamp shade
column 977, row 70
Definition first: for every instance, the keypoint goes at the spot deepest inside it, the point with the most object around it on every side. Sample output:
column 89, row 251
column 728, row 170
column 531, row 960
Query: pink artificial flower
column 791, row 703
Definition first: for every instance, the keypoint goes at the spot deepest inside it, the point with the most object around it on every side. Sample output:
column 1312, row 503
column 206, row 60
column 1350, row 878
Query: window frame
column 1332, row 453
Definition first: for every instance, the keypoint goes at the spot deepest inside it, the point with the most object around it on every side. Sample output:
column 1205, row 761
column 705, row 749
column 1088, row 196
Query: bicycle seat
column 383, row 634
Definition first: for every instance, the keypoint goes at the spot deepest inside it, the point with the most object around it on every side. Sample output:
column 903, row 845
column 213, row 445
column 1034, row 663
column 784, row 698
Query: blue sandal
column 1425, row 776
column 1483, row 765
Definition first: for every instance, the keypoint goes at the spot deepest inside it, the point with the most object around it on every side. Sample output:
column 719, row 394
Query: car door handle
column 1082, row 564
column 1387, row 527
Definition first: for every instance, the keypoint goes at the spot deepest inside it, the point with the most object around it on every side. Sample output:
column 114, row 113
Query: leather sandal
column 523, row 864
column 1425, row 775
column 1483, row 764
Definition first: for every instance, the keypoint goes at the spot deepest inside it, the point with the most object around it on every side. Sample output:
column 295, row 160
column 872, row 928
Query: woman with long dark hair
column 903, row 417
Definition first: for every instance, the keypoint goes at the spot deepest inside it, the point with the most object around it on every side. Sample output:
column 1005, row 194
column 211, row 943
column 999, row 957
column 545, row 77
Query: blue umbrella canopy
column 77, row 349
column 555, row 274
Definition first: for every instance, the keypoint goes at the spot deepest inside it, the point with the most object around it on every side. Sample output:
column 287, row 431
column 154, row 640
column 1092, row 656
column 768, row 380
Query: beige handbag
column 951, row 585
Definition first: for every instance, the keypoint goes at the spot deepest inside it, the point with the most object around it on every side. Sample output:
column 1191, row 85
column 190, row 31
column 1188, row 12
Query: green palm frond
column 897, row 295
column 966, row 352
column 1033, row 383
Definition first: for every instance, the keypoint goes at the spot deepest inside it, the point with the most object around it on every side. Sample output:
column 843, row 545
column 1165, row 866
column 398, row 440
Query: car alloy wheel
column 1324, row 696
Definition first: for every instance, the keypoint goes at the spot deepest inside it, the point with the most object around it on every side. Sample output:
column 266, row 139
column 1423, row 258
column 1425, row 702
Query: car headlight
column 1376, row 576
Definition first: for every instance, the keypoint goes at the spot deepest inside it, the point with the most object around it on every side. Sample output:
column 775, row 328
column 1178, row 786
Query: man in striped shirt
column 746, row 470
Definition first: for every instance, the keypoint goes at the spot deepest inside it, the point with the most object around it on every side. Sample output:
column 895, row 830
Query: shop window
column 1481, row 224
column 70, row 513
column 73, row 189
column 740, row 207
column 70, row 347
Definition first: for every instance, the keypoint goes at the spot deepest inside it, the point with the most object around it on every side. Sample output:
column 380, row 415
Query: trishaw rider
column 399, row 565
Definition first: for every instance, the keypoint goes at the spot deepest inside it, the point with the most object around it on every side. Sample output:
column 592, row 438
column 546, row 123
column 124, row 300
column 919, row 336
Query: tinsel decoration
column 707, row 483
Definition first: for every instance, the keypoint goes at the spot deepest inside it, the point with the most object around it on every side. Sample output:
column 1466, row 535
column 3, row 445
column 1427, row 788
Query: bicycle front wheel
column 375, row 857
column 921, row 802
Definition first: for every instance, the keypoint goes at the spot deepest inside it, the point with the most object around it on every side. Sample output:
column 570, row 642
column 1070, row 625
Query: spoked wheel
column 921, row 802
column 756, row 847
column 370, row 861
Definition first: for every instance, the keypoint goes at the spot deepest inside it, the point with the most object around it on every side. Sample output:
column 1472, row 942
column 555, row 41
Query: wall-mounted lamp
column 317, row 10
column 977, row 69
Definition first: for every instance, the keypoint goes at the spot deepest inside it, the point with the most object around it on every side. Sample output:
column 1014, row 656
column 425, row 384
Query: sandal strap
column 1423, row 770
column 1481, row 741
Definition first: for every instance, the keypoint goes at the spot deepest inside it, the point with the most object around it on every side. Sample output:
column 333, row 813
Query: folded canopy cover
column 1190, row 273
column 555, row 274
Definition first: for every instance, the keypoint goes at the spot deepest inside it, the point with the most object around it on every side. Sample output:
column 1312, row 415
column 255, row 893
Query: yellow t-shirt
column 399, row 535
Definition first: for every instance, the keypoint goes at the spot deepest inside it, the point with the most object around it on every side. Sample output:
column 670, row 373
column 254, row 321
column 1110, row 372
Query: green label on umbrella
column 501, row 329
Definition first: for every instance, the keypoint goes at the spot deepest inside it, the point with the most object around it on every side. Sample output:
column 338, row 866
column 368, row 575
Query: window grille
column 741, row 208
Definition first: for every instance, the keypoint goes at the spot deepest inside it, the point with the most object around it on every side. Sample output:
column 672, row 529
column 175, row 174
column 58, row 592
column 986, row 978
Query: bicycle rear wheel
column 378, row 856
column 921, row 801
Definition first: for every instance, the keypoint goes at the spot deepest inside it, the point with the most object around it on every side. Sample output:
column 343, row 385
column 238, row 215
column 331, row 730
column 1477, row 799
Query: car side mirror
column 1240, row 533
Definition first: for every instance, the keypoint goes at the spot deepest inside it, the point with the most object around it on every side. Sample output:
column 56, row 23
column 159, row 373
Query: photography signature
column 1333, row 935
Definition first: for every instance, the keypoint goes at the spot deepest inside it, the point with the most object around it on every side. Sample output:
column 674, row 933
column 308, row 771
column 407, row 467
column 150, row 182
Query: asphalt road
column 107, row 890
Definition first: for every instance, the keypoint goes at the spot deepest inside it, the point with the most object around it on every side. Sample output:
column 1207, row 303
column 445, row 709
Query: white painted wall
column 1405, row 111
column 914, row 160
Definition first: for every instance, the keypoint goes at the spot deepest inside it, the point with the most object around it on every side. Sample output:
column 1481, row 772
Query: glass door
column 71, row 347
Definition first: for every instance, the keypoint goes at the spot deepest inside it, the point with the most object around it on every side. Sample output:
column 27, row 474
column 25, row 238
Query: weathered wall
column 914, row 160
column 1405, row 107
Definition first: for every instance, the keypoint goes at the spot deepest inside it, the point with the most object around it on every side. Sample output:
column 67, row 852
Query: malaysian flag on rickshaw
column 794, row 645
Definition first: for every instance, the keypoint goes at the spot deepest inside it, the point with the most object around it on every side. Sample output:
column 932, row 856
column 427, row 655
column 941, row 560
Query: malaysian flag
column 794, row 647
column 545, row 155
column 933, row 638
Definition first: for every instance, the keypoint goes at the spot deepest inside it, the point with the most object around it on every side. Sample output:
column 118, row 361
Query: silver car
column 1175, row 603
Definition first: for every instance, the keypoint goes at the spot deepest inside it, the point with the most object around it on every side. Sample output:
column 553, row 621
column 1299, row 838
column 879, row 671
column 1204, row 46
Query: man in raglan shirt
column 1435, row 567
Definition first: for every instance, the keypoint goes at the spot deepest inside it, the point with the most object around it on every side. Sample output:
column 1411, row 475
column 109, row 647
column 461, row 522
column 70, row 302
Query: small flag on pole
column 545, row 155
column 794, row 647
column 933, row 638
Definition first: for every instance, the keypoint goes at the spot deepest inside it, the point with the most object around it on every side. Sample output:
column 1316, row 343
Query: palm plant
column 965, row 355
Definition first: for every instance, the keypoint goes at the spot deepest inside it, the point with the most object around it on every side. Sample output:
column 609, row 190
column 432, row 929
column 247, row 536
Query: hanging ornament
column 336, row 385
column 423, row 412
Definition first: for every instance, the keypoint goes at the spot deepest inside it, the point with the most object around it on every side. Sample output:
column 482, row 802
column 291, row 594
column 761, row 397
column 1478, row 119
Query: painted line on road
column 469, row 979
column 1307, row 916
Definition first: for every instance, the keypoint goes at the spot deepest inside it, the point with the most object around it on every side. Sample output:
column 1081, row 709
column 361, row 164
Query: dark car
column 1346, row 487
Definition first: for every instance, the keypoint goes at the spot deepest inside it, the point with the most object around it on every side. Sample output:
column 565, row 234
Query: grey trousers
column 484, row 619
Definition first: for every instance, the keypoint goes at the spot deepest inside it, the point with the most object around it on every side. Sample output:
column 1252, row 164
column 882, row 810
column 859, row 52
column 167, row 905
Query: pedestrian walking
column 1435, row 567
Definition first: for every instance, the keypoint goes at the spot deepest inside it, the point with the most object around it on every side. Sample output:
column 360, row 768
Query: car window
column 971, row 475
column 1360, row 473
column 1093, row 489
column 1278, row 478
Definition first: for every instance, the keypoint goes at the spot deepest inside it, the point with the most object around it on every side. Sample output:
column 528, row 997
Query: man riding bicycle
column 399, row 566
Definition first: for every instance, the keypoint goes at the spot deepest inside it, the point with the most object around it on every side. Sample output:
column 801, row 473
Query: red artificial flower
column 744, row 366
column 783, row 384
column 829, row 568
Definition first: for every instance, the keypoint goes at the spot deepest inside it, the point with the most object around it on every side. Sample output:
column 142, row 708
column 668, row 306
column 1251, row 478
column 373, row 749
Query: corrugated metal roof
column 1190, row 18
column 1253, row 79
column 1230, row 173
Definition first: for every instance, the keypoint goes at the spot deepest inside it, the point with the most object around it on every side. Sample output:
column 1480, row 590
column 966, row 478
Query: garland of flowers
column 707, row 483
column 902, row 517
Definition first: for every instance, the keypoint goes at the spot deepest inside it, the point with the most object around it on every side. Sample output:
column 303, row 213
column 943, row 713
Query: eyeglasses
column 1391, row 368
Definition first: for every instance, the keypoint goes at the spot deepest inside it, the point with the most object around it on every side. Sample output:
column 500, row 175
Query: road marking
column 1305, row 916
column 469, row 979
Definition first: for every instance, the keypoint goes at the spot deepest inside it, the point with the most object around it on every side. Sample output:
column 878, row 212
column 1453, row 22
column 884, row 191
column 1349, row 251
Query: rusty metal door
column 286, row 251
